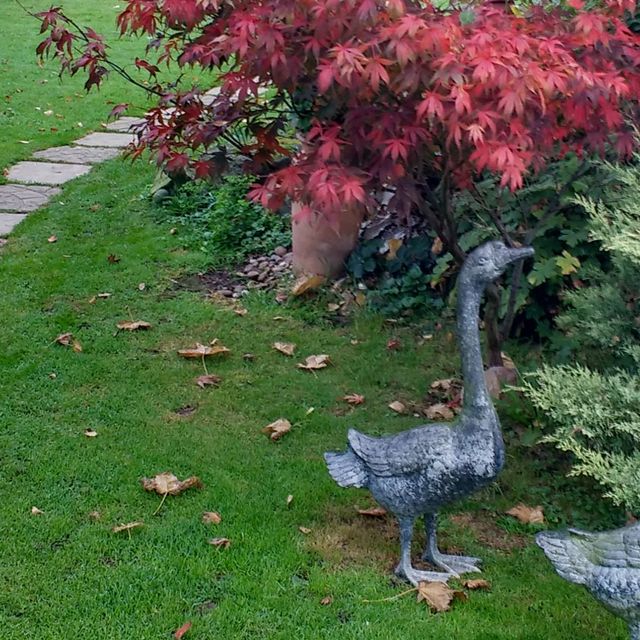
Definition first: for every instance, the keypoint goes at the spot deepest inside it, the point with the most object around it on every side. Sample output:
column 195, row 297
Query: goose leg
column 405, row 569
column 451, row 563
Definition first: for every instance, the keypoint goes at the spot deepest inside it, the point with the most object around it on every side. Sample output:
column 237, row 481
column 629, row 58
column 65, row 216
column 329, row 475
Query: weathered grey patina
column 606, row 563
column 416, row 472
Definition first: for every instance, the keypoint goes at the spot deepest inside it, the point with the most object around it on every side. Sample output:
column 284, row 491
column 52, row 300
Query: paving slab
column 20, row 198
column 124, row 124
column 78, row 155
column 8, row 221
column 46, row 172
column 117, row 140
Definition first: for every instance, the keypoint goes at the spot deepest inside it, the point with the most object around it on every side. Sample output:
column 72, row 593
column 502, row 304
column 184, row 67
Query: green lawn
column 65, row 574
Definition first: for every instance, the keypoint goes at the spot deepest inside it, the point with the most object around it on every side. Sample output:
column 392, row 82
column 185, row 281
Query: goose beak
column 519, row 253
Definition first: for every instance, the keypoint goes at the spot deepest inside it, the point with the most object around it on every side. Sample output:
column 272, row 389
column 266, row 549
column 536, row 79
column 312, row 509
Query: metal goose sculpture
column 417, row 472
column 607, row 563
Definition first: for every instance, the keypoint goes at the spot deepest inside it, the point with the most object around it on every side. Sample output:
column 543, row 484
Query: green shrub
column 220, row 221
column 594, row 405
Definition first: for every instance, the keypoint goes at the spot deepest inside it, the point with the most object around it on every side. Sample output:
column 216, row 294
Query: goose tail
column 347, row 469
column 565, row 554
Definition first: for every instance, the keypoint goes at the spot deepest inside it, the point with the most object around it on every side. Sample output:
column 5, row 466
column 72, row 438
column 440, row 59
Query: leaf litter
column 277, row 429
column 312, row 363
column 287, row 348
column 204, row 351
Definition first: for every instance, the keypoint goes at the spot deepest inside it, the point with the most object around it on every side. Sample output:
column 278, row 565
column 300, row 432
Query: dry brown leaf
column 210, row 380
column 394, row 244
column 373, row 512
column 76, row 346
column 353, row 398
column 326, row 601
column 65, row 339
column 211, row 517
column 166, row 483
column 397, row 406
column 112, row 258
column 332, row 307
column 92, row 300
column 36, row 512
column 438, row 595
column 133, row 325
column 288, row 348
column 203, row 351
column 289, row 499
column 478, row 583
column 360, row 298
column 437, row 246
column 307, row 283
column 127, row 527
column 220, row 543
column 304, row 530
column 90, row 433
column 438, row 411
column 240, row 311
column 179, row 633
column 315, row 362
column 277, row 429
column 95, row 515
column 527, row 515
column 442, row 385
column 52, row 239
column 507, row 361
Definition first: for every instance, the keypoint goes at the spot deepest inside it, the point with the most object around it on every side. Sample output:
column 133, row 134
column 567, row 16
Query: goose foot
column 455, row 564
column 415, row 576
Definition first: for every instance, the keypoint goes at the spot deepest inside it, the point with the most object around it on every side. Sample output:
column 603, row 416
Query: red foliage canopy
column 394, row 92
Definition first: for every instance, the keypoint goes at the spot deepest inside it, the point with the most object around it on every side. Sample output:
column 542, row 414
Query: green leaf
column 567, row 263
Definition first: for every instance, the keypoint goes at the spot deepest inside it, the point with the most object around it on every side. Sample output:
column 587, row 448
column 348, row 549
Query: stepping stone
column 78, row 155
column 117, row 140
column 46, row 172
column 8, row 221
column 124, row 124
column 22, row 199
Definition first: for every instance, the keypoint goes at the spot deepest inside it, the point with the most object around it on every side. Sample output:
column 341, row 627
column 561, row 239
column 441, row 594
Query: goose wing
column 619, row 548
column 407, row 452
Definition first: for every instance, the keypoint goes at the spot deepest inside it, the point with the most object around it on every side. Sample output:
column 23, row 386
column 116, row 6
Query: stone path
column 32, row 183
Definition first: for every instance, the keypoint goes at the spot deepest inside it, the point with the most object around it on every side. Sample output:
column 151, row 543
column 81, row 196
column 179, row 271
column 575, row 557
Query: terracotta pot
column 321, row 248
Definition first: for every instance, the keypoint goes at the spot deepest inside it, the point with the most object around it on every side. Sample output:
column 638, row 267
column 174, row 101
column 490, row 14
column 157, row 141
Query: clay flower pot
column 322, row 248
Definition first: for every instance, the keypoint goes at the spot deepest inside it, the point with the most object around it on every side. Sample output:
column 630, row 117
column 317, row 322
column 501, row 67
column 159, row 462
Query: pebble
column 280, row 251
column 253, row 274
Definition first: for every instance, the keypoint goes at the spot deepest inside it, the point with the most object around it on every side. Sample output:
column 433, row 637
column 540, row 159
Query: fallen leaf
column 134, row 325
column 249, row 357
column 307, row 283
column 309, row 411
column 241, row 311
column 104, row 295
column 112, row 258
column 210, row 380
column 315, row 362
column 167, row 483
column 354, row 342
column 304, row 530
column 127, row 527
column 64, row 339
column 220, row 543
column 438, row 411
column 326, row 601
column 92, row 300
column 393, row 344
column 288, row 348
column 203, row 351
column 277, row 429
column 76, row 346
column 142, row 286
column 53, row 375
column 527, row 515
column 179, row 633
column 90, row 433
column 353, row 398
column 442, row 385
column 478, row 583
column 394, row 244
column 95, row 515
column 211, row 517
column 52, row 239
column 332, row 307
column 507, row 361
column 360, row 298
column 438, row 595
column 397, row 406
column 36, row 512
column 373, row 512
column 289, row 499
column 437, row 246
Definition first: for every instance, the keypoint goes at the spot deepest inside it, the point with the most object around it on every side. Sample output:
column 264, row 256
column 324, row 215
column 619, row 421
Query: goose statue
column 606, row 563
column 417, row 472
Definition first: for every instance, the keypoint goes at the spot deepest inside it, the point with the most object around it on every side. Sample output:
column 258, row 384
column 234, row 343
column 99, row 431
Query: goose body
column 417, row 472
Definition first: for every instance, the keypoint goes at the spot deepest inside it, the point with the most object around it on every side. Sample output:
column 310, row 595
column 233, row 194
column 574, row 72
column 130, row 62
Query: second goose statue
column 417, row 472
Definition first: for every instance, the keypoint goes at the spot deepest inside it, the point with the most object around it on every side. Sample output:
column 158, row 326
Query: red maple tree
column 381, row 94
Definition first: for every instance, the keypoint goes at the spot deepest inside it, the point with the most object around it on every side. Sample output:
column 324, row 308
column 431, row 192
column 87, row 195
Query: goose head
column 489, row 261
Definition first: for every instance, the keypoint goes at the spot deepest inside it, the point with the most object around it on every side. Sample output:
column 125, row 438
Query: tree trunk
column 320, row 247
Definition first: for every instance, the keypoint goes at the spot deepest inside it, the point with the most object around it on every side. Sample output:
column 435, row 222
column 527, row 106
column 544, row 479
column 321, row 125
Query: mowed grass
column 39, row 110
column 65, row 575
